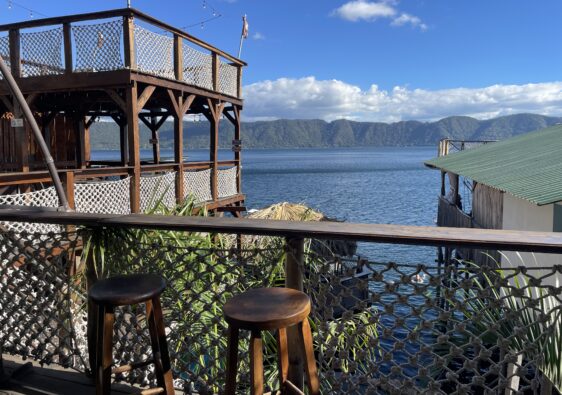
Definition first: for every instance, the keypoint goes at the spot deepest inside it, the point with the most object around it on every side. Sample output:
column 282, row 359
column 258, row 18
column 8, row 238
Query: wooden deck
column 53, row 379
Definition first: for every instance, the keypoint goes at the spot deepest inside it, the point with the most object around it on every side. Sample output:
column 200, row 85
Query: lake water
column 384, row 185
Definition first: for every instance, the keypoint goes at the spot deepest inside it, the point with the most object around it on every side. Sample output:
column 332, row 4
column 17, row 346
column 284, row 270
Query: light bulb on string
column 9, row 4
column 202, row 26
column 204, row 4
column 30, row 14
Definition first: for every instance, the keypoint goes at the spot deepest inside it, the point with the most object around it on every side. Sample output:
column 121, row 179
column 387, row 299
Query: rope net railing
column 227, row 182
column 198, row 185
column 157, row 189
column 41, row 53
column 108, row 197
column 154, row 53
column 378, row 326
column 5, row 52
column 42, row 198
column 228, row 79
column 197, row 67
column 98, row 46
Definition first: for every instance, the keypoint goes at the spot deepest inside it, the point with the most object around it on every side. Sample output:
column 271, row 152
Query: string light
column 32, row 13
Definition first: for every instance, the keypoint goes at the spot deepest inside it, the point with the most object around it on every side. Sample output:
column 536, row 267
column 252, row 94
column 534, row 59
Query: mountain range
column 314, row 133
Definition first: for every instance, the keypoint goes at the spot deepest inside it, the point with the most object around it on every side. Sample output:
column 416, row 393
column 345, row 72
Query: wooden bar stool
column 269, row 309
column 124, row 291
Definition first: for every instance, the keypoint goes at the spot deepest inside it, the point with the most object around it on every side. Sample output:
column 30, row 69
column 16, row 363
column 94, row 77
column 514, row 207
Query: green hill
column 310, row 133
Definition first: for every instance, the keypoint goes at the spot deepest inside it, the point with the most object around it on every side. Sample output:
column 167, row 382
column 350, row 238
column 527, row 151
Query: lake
column 388, row 185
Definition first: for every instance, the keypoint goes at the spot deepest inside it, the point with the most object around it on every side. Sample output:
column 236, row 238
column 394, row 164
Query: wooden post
column 66, row 31
column 215, row 71
column 238, row 153
column 22, row 140
column 81, row 141
column 134, row 147
column 129, row 42
column 214, row 152
column 68, row 184
column 15, row 54
column 239, row 82
column 294, row 279
column 155, row 139
column 178, row 57
column 123, row 144
column 178, row 149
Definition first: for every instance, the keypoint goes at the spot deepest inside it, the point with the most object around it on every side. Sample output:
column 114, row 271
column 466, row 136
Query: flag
column 244, row 27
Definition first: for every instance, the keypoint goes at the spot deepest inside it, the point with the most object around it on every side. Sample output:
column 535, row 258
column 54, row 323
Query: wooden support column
column 180, row 107
column 129, row 42
column 80, row 127
column 155, row 140
column 15, row 54
column 178, row 57
column 67, row 33
column 234, row 118
column 22, row 140
column 215, row 109
column 294, row 279
column 134, row 146
column 68, row 185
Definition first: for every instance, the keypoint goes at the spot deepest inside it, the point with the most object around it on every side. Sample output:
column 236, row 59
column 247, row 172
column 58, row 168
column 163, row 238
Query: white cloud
column 407, row 19
column 306, row 98
column 357, row 10
column 361, row 9
column 258, row 36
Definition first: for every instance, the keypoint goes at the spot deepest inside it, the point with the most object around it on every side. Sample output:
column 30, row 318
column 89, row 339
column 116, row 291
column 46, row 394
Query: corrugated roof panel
column 528, row 166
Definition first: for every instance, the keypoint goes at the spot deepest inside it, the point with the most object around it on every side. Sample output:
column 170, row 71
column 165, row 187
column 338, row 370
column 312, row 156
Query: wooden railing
column 128, row 16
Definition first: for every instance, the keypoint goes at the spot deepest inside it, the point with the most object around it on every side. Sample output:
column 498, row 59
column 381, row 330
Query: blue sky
column 385, row 60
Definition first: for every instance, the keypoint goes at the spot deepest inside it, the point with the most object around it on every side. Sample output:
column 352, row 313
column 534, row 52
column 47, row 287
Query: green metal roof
column 528, row 166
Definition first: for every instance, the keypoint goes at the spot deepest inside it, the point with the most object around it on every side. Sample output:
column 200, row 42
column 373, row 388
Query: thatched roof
column 299, row 212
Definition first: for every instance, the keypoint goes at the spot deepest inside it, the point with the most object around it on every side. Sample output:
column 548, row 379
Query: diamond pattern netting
column 5, row 51
column 378, row 327
column 227, row 182
column 154, row 53
column 107, row 197
column 228, row 79
column 98, row 47
column 42, row 198
column 158, row 189
column 41, row 305
column 42, row 53
column 197, row 184
column 197, row 67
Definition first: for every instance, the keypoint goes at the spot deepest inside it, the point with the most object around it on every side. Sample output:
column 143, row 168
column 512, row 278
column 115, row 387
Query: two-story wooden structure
column 125, row 66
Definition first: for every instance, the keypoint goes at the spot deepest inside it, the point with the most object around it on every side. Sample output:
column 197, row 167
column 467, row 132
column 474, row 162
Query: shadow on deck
column 53, row 379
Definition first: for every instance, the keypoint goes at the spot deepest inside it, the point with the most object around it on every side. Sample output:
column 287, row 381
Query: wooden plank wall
column 59, row 136
column 487, row 213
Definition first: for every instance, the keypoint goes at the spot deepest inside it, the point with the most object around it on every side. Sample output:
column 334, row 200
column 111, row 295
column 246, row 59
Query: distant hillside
column 285, row 133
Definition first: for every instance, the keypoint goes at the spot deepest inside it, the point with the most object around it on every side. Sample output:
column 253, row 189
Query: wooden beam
column 145, row 96
column 129, row 42
column 68, row 184
column 178, row 145
column 134, row 145
column 174, row 101
column 215, row 71
column 188, row 101
column 178, row 57
column 31, row 98
column 67, row 33
column 238, row 153
column 155, row 140
column 117, row 99
column 15, row 52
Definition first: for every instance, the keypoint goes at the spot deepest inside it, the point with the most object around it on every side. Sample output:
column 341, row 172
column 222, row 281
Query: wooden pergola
column 129, row 67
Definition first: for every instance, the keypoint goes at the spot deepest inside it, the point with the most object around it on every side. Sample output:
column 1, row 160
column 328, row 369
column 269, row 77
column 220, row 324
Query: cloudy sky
column 376, row 60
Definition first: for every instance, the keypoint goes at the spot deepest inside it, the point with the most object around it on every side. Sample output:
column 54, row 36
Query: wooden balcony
column 113, row 48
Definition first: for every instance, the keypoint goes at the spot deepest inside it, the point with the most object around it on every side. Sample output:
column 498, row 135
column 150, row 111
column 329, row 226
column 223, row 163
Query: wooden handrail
column 512, row 240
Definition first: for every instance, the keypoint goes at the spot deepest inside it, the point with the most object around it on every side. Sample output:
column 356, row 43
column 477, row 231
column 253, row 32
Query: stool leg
column 159, row 345
column 283, row 355
column 232, row 361
column 256, row 363
column 305, row 337
column 104, row 353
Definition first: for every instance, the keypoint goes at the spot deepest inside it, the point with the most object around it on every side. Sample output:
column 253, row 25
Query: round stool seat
column 126, row 290
column 267, row 308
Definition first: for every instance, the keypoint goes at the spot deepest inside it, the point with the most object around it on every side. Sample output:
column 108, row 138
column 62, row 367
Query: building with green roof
column 513, row 184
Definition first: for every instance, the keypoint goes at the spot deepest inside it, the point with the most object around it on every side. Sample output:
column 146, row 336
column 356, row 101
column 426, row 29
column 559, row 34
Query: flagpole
column 240, row 48
column 243, row 35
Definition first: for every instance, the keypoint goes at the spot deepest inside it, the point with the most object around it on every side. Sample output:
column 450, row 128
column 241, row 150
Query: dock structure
column 128, row 67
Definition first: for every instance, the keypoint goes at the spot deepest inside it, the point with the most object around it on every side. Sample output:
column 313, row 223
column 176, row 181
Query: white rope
column 198, row 184
column 103, row 197
column 157, row 189
column 42, row 198
column 227, row 182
